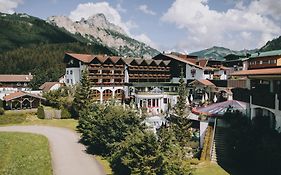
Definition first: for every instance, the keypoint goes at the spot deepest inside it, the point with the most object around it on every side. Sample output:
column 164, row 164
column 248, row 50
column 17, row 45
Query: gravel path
column 68, row 156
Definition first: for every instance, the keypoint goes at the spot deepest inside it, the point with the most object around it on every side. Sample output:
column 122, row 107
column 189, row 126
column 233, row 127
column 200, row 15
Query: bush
column 105, row 125
column 40, row 112
column 1, row 104
column 65, row 114
column 2, row 111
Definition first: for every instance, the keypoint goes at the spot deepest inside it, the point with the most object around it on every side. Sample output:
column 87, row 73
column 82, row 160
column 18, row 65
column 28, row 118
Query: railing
column 237, row 83
column 213, row 139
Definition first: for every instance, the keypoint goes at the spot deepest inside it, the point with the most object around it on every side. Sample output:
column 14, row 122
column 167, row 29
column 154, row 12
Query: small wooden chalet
column 22, row 100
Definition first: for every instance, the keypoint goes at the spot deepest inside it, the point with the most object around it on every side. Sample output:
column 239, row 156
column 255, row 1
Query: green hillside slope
column 21, row 30
column 274, row 44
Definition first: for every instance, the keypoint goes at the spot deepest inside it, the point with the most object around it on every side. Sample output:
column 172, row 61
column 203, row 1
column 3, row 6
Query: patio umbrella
column 203, row 99
column 206, row 97
column 187, row 101
column 215, row 99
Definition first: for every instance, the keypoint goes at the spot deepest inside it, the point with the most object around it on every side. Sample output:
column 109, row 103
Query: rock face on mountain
column 97, row 29
column 218, row 53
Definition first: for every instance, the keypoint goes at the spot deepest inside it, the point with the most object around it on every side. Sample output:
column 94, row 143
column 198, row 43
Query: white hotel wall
column 199, row 75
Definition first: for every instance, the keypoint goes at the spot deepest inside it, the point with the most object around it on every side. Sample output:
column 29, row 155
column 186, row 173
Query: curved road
column 68, row 156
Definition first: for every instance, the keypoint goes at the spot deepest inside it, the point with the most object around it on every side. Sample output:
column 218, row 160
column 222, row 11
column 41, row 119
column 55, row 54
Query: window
column 71, row 72
column 67, row 80
column 67, row 72
column 260, row 62
column 265, row 62
column 71, row 81
column 165, row 100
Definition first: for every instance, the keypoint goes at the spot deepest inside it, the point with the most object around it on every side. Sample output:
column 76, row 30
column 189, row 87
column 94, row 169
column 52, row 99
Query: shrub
column 40, row 112
column 2, row 111
column 1, row 104
column 65, row 114
column 105, row 125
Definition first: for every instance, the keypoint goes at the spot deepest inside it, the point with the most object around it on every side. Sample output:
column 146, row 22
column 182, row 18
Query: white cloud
column 145, row 39
column 144, row 9
column 237, row 28
column 9, row 6
column 89, row 9
column 120, row 8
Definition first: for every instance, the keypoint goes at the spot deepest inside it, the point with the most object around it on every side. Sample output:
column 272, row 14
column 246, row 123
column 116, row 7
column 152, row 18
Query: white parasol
column 215, row 99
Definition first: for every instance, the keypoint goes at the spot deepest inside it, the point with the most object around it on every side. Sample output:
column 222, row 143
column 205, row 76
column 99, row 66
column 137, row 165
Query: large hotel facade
column 150, row 83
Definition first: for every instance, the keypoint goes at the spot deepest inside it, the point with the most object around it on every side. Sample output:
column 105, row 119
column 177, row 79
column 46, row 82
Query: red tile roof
column 204, row 82
column 182, row 60
column 19, row 94
column 47, row 86
column 86, row 58
column 203, row 63
column 15, row 78
column 271, row 71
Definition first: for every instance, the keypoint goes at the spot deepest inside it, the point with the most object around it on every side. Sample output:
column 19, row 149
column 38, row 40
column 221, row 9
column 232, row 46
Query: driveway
column 68, row 156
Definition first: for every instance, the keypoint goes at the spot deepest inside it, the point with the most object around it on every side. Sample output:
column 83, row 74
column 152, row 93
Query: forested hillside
column 275, row 44
column 45, row 61
column 29, row 44
column 21, row 30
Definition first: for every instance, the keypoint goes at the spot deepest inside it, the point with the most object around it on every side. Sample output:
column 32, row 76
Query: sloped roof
column 19, row 94
column 203, row 62
column 47, row 86
column 15, row 78
column 219, row 109
column 203, row 82
column 86, row 58
column 271, row 71
column 182, row 60
column 266, row 54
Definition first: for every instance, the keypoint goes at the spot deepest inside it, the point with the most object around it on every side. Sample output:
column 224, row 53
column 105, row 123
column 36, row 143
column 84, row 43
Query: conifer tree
column 82, row 98
column 180, row 108
column 179, row 119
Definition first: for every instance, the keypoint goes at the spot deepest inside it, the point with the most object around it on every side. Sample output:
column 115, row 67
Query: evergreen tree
column 137, row 154
column 180, row 108
column 179, row 119
column 82, row 98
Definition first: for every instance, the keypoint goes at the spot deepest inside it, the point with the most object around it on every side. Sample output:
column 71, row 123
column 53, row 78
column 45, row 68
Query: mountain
column 274, row 44
column 218, row 53
column 29, row 44
column 98, row 29
column 22, row 30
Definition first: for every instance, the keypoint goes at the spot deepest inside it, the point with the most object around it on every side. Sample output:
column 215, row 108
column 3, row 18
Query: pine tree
column 179, row 119
column 82, row 98
column 180, row 108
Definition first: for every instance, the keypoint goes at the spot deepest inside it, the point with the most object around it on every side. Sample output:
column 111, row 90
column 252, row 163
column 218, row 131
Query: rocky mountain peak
column 100, row 21
column 98, row 29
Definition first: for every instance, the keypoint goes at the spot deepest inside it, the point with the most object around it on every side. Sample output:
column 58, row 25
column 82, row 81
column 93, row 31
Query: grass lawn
column 105, row 164
column 24, row 118
column 30, row 118
column 24, row 154
column 208, row 168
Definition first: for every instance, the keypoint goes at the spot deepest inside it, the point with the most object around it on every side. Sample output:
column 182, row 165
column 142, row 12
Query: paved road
column 68, row 156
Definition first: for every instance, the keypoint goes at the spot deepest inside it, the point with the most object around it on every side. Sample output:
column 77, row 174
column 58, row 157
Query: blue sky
column 174, row 25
